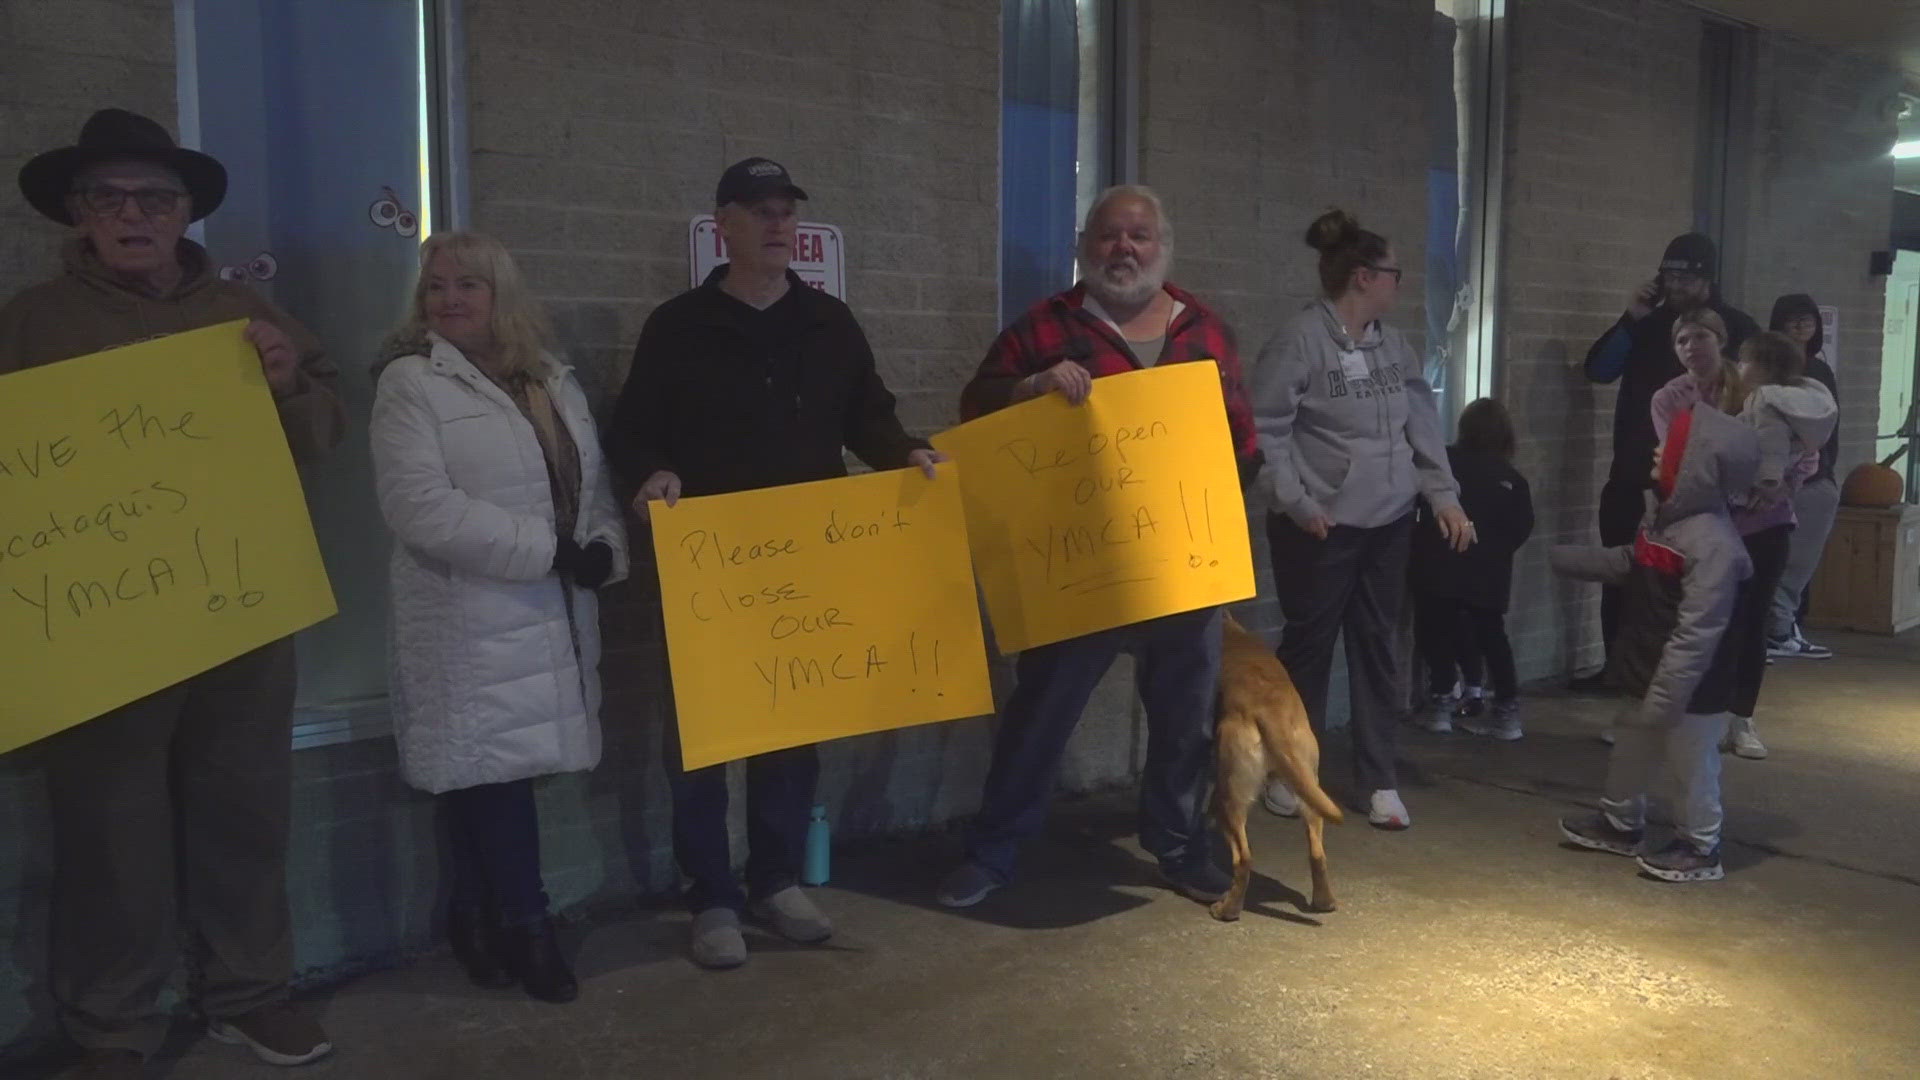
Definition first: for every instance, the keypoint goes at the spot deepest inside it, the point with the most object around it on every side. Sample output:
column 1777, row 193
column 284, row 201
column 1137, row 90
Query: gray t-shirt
column 1147, row 352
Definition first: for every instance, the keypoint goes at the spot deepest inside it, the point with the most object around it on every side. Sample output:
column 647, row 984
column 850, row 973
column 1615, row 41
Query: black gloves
column 589, row 566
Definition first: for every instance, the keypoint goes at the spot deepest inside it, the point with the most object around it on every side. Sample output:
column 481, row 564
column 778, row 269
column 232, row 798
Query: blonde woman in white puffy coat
column 489, row 473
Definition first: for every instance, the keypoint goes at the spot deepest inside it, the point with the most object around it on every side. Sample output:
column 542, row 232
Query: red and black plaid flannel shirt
column 1061, row 328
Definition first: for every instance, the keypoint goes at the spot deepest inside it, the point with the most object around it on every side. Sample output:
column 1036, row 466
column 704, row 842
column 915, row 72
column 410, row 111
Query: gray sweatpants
column 1679, row 761
column 1815, row 505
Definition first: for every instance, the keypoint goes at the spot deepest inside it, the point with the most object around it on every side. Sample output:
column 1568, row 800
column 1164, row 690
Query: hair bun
column 1332, row 229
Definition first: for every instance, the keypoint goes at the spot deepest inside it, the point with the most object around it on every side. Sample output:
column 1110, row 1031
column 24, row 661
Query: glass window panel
column 1463, row 198
column 318, row 112
column 1056, row 139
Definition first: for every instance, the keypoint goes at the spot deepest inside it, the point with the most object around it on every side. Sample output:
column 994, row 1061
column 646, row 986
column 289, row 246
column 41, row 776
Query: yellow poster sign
column 151, row 527
column 814, row 611
column 1124, row 508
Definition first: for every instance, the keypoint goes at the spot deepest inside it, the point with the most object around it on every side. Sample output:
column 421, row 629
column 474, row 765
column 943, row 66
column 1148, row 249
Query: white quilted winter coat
column 493, row 659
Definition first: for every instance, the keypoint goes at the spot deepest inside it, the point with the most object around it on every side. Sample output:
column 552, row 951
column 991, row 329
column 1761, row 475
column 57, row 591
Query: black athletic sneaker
column 1681, row 861
column 1197, row 879
column 1597, row 832
column 1595, row 683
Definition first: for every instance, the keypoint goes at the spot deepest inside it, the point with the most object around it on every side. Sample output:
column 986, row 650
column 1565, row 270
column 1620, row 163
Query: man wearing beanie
column 1638, row 351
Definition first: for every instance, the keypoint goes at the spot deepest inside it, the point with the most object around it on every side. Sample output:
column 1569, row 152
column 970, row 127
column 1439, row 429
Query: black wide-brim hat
column 119, row 135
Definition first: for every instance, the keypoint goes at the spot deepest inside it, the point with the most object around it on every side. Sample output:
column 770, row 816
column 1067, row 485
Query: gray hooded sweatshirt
column 1666, row 646
column 1349, row 429
column 1792, row 421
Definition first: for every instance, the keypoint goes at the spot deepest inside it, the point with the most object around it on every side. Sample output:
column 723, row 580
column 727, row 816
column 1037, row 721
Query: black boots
column 531, row 954
column 472, row 934
column 497, row 957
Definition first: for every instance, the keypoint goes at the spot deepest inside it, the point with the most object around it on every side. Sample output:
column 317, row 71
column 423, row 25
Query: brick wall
column 1819, row 204
column 61, row 59
column 1256, row 117
column 1601, row 129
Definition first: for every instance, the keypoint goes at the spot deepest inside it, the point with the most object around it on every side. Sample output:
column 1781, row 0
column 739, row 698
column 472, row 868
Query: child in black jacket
column 1460, row 598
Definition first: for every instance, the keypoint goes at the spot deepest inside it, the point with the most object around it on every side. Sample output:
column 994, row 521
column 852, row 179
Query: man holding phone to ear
column 1637, row 350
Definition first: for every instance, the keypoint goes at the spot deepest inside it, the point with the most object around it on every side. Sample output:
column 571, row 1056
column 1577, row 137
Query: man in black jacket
column 753, row 379
column 1638, row 351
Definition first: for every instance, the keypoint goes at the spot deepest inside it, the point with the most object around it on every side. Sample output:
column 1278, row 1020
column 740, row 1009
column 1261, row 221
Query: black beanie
column 1692, row 253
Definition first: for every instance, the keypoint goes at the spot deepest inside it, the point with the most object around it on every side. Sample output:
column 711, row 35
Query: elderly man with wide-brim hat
column 170, row 814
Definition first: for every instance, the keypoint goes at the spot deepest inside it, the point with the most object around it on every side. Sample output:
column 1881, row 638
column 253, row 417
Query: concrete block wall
column 63, row 59
column 1602, row 124
column 1256, row 117
column 59, row 61
column 1818, row 205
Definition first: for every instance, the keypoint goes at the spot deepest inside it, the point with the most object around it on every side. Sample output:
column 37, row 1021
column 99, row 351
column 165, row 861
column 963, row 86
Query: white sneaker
column 1742, row 740
column 1386, row 811
column 1279, row 799
column 716, row 940
column 794, row 916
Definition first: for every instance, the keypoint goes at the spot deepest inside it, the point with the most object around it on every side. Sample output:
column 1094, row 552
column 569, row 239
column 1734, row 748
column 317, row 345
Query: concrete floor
column 1474, row 945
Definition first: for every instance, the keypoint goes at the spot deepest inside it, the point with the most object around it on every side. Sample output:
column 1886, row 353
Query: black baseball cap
column 754, row 179
column 1691, row 253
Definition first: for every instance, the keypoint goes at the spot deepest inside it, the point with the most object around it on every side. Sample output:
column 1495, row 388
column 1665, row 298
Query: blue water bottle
column 819, row 848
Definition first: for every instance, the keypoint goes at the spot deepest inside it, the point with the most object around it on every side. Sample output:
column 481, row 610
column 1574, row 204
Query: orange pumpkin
column 1874, row 485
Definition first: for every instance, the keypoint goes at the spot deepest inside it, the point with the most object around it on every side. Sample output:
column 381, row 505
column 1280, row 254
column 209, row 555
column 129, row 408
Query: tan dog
column 1262, row 732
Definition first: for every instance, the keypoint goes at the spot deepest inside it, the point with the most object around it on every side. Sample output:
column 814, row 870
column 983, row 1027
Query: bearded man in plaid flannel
column 1122, row 316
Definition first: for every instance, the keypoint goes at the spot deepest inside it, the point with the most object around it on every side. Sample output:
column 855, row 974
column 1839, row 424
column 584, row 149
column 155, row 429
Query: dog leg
column 1317, row 861
column 1241, row 767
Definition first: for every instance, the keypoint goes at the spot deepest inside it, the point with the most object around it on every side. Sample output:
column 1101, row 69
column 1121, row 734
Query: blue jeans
column 495, row 834
column 1178, row 667
column 779, row 799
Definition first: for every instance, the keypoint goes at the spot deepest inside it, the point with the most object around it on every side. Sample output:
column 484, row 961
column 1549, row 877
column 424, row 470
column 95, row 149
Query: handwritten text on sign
column 814, row 611
column 151, row 527
column 1088, row 517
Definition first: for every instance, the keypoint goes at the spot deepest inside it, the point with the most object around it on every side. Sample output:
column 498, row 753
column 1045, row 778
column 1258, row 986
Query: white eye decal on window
column 388, row 212
column 261, row 267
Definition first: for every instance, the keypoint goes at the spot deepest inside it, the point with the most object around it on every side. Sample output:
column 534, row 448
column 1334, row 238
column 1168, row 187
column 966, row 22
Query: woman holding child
column 1793, row 416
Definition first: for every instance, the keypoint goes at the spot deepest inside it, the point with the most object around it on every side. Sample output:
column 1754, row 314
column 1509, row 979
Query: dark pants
column 1177, row 668
column 1350, row 585
column 1622, row 505
column 493, row 831
column 779, row 801
column 1751, row 609
column 1457, row 637
column 170, row 821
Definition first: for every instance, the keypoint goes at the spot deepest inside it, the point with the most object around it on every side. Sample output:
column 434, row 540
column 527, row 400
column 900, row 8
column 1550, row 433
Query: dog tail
column 1307, row 786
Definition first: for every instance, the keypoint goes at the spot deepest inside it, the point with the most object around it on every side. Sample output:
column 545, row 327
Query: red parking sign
column 817, row 254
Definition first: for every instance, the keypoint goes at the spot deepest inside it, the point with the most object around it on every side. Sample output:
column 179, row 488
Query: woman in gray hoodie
column 1351, row 436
